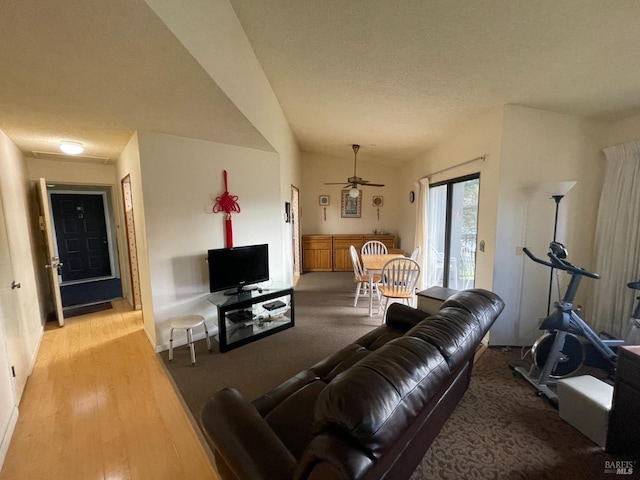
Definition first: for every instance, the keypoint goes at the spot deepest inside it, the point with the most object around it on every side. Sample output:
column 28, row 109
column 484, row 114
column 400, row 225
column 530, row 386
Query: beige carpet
column 500, row 430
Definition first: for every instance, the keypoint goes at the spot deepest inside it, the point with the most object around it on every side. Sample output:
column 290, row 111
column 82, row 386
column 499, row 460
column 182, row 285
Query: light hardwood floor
column 99, row 406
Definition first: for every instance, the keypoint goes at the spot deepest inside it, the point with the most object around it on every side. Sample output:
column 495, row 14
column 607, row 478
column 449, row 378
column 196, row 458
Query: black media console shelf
column 249, row 316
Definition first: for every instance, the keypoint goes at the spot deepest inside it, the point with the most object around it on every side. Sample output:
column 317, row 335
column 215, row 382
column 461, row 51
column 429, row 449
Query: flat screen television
column 238, row 267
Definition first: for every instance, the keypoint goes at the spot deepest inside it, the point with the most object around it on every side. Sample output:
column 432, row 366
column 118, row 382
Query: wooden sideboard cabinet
column 341, row 255
column 317, row 251
column 326, row 253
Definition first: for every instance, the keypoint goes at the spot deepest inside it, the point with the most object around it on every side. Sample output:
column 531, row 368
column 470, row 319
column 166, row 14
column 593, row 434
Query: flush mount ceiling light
column 71, row 148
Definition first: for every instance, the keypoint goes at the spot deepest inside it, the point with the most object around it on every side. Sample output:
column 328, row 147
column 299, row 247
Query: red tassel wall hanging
column 227, row 203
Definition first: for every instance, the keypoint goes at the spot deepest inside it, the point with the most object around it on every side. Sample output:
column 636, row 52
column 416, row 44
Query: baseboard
column 8, row 434
column 479, row 351
column 194, row 423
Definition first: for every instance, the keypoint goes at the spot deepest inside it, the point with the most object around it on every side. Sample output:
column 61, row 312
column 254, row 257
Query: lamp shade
column 354, row 192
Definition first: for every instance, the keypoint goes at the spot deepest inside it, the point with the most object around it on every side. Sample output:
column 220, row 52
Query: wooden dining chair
column 374, row 247
column 361, row 278
column 398, row 282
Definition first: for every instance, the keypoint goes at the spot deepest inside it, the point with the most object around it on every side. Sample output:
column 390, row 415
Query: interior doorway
column 84, row 235
column 295, row 231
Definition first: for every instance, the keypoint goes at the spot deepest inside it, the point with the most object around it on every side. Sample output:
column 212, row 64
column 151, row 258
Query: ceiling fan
column 354, row 181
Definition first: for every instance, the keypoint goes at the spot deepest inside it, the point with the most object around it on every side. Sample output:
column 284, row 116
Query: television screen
column 235, row 268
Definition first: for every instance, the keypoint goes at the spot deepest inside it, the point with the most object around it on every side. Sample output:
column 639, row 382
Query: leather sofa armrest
column 403, row 317
column 243, row 439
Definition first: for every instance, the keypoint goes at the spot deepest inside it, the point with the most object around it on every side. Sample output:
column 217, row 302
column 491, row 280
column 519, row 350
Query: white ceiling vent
column 71, row 158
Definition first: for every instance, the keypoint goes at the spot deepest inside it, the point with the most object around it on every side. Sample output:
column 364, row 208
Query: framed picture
column 350, row 207
column 378, row 201
column 323, row 200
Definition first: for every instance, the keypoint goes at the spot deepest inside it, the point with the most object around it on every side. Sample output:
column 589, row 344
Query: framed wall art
column 378, row 201
column 323, row 200
column 351, row 207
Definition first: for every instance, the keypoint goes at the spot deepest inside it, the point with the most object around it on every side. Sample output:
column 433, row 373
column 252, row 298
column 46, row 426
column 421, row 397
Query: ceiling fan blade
column 353, row 182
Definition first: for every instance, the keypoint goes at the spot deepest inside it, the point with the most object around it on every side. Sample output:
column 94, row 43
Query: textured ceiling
column 397, row 74
column 95, row 72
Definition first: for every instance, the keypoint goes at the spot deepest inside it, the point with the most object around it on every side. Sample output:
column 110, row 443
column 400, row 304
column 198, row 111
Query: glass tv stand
column 253, row 314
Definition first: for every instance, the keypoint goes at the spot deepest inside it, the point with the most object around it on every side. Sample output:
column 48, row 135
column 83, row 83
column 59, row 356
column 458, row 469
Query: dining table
column 373, row 264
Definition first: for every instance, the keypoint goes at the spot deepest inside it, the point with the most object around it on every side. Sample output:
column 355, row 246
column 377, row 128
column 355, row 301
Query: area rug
column 500, row 429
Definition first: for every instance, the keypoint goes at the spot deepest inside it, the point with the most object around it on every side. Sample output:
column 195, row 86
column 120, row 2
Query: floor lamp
column 556, row 198
column 565, row 187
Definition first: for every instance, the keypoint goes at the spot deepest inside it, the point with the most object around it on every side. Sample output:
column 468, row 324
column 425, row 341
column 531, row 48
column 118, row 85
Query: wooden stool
column 188, row 322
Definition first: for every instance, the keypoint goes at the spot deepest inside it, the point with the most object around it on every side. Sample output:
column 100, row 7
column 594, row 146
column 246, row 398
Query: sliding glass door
column 452, row 222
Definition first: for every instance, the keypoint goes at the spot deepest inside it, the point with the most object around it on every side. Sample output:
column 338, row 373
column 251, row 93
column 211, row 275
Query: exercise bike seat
column 634, row 285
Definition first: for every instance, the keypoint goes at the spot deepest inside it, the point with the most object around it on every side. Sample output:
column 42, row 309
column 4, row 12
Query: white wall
column 129, row 164
column 478, row 136
column 623, row 131
column 16, row 198
column 539, row 150
column 527, row 152
column 180, row 178
column 319, row 169
column 20, row 312
column 212, row 33
column 71, row 172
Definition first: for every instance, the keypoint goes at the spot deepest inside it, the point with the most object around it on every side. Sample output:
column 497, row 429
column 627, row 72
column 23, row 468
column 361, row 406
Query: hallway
column 99, row 406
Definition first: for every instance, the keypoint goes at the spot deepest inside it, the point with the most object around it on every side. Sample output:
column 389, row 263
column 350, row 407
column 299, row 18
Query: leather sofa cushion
column 292, row 419
column 377, row 398
column 452, row 331
column 484, row 305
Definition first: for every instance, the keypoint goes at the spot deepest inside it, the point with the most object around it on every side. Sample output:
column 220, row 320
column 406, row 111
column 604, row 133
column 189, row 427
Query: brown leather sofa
column 370, row 410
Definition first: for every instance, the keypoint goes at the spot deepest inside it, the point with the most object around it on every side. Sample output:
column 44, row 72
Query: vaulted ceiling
column 398, row 75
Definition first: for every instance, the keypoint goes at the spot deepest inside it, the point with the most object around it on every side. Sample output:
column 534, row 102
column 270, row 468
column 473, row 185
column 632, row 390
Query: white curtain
column 617, row 247
column 421, row 229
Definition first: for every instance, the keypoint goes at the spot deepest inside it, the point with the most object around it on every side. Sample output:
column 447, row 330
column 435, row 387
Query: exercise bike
column 568, row 341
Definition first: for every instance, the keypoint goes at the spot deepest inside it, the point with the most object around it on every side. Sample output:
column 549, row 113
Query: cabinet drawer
column 345, row 241
column 317, row 242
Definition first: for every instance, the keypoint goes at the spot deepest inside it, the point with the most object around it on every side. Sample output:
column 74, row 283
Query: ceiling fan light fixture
column 71, row 148
column 355, row 181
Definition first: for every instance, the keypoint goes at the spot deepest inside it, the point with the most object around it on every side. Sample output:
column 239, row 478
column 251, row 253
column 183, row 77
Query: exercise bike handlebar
column 560, row 264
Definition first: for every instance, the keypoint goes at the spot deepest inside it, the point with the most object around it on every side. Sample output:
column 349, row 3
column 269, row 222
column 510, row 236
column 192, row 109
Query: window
column 452, row 223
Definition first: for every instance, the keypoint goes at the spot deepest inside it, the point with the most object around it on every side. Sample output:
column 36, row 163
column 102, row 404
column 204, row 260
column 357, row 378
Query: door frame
column 295, row 231
column 447, row 254
column 132, row 252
